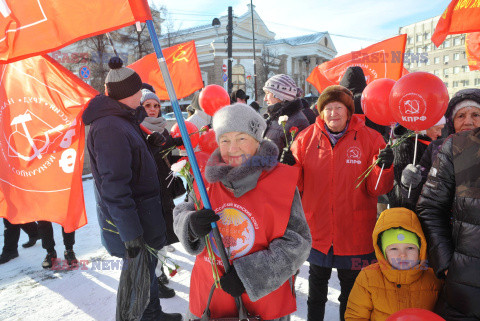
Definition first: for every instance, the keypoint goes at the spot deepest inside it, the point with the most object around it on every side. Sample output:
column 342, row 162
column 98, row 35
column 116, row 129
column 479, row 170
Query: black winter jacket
column 126, row 184
column 449, row 210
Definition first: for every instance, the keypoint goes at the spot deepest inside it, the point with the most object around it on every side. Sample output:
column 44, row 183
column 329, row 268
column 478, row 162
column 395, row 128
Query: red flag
column 42, row 141
column 472, row 49
column 32, row 27
column 405, row 71
column 459, row 17
column 381, row 60
column 182, row 63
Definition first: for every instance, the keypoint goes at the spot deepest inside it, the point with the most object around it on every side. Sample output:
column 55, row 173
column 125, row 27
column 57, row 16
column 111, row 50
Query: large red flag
column 33, row 27
column 182, row 62
column 461, row 16
column 381, row 60
column 472, row 49
column 42, row 141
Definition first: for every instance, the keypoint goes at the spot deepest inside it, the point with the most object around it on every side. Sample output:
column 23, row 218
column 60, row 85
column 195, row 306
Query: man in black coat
column 127, row 189
column 449, row 210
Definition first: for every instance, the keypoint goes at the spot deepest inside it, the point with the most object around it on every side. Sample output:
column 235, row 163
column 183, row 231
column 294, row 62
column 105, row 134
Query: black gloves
column 156, row 139
column 232, row 284
column 178, row 141
column 287, row 157
column 200, row 222
column 386, row 157
column 134, row 247
column 411, row 176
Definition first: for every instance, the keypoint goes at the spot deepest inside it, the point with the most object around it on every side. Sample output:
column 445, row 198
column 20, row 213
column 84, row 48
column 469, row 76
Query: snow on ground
column 28, row 292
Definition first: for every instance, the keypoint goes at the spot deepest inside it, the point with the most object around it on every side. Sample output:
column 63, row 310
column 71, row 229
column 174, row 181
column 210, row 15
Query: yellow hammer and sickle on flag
column 177, row 56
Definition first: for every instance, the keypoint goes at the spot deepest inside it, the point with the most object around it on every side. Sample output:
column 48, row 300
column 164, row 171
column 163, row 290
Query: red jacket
column 339, row 214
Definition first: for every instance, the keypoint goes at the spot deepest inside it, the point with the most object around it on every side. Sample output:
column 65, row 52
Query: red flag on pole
column 381, row 60
column 182, row 63
column 472, row 49
column 459, row 17
column 42, row 141
column 32, row 27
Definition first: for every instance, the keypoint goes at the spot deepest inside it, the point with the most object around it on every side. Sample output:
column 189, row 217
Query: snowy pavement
column 28, row 292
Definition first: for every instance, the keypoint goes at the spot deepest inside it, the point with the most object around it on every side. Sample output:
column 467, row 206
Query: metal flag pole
column 186, row 140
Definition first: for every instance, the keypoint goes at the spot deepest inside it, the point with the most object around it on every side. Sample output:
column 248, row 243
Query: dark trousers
column 318, row 290
column 45, row 230
column 153, row 312
column 12, row 234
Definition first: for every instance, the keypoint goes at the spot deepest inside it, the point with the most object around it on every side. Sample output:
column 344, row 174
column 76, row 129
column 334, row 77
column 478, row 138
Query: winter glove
column 411, row 176
column 156, row 139
column 200, row 222
column 287, row 157
column 178, row 141
column 386, row 157
column 232, row 284
column 134, row 247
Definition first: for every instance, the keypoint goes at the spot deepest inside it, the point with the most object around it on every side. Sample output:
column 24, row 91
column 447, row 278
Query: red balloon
column 192, row 132
column 418, row 100
column 414, row 314
column 375, row 100
column 207, row 142
column 212, row 98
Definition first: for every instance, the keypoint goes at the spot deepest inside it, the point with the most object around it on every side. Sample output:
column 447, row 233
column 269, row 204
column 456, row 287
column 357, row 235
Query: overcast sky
column 352, row 24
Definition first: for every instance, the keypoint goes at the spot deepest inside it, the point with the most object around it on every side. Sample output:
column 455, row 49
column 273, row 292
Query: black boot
column 171, row 317
column 164, row 292
column 7, row 256
column 70, row 257
column 31, row 242
column 48, row 262
column 163, row 277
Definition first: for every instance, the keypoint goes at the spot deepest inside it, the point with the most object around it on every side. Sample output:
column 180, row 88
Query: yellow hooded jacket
column 380, row 290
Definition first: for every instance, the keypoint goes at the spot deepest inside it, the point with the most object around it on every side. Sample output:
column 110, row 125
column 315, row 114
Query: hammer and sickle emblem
column 37, row 152
column 412, row 106
column 178, row 53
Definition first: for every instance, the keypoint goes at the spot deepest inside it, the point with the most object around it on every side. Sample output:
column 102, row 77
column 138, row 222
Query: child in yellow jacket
column 400, row 279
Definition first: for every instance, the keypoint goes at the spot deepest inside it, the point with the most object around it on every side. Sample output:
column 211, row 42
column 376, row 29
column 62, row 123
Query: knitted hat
column 282, row 87
column 121, row 82
column 398, row 235
column 463, row 104
column 239, row 118
column 442, row 121
column 336, row 93
column 147, row 94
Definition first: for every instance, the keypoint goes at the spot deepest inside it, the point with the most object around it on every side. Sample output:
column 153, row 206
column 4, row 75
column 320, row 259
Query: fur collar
column 242, row 179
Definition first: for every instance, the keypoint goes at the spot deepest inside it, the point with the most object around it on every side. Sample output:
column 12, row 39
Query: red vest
column 248, row 224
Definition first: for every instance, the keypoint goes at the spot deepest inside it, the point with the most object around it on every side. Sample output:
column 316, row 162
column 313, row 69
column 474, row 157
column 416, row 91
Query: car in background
column 172, row 115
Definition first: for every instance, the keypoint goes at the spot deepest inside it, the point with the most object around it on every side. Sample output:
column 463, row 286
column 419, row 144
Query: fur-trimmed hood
column 461, row 95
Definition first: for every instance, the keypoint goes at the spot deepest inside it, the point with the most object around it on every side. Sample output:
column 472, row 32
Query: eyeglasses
column 156, row 106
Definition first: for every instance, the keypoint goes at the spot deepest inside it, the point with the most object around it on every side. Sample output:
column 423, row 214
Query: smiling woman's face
column 335, row 115
column 237, row 147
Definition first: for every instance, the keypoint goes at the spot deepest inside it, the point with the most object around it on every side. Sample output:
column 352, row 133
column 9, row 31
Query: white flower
column 178, row 166
column 282, row 119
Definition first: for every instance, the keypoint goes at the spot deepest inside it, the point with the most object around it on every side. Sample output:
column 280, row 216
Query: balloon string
column 414, row 159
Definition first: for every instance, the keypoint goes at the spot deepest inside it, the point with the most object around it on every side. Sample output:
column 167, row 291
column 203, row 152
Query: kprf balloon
column 192, row 132
column 418, row 100
column 207, row 142
column 212, row 98
column 414, row 314
column 375, row 101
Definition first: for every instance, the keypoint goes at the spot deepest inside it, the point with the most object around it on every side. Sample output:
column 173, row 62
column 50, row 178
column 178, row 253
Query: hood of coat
column 354, row 80
column 102, row 106
column 406, row 219
column 287, row 108
column 241, row 179
column 461, row 95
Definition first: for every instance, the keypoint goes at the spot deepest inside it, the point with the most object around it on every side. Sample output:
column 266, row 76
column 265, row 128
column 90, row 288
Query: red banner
column 182, row 63
column 42, row 143
column 472, row 49
column 32, row 27
column 381, row 60
column 461, row 16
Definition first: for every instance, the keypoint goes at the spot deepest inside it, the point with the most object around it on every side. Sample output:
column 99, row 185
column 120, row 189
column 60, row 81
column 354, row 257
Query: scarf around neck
column 155, row 124
column 334, row 137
